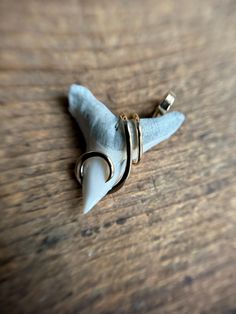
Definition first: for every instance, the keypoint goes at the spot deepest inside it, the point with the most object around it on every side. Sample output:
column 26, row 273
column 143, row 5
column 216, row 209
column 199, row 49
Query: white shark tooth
column 103, row 132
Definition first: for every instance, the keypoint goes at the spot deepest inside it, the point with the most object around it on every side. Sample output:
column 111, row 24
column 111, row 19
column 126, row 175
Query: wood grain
column 166, row 243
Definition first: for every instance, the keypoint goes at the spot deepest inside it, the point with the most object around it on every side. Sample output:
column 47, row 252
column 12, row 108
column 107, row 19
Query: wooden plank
column 166, row 242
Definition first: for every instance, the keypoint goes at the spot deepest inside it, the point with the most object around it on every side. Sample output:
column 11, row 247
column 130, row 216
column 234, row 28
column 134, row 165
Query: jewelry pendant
column 114, row 143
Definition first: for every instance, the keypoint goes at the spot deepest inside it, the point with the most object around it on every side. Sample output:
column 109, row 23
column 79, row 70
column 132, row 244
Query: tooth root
column 156, row 130
column 91, row 115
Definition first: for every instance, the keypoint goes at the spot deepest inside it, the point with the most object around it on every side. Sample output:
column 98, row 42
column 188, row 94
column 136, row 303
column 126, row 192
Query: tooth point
column 86, row 210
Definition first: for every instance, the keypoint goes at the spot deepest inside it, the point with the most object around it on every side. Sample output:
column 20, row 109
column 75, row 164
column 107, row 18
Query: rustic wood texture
column 166, row 243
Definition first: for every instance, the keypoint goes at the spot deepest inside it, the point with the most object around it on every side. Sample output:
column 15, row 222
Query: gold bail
column 165, row 104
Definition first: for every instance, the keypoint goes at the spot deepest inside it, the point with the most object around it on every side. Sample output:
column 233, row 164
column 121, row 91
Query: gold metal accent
column 139, row 138
column 126, row 173
column 165, row 104
column 79, row 167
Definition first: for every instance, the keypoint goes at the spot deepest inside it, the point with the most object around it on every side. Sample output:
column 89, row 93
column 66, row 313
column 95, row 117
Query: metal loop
column 165, row 104
column 79, row 167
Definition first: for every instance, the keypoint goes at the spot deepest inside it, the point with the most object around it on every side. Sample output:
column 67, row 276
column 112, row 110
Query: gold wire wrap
column 126, row 174
column 139, row 138
column 79, row 167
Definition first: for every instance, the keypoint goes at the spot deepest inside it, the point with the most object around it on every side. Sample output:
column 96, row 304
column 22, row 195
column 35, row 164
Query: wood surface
column 166, row 242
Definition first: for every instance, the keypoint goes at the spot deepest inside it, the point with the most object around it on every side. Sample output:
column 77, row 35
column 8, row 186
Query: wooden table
column 166, row 243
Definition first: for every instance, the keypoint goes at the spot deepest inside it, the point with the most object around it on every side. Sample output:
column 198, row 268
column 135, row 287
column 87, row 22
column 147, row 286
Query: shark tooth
column 103, row 132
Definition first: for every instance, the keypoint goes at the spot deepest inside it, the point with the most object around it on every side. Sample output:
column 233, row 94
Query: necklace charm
column 114, row 143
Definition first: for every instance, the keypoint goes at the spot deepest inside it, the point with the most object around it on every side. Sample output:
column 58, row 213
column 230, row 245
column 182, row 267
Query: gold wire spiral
column 139, row 138
column 128, row 141
column 79, row 167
